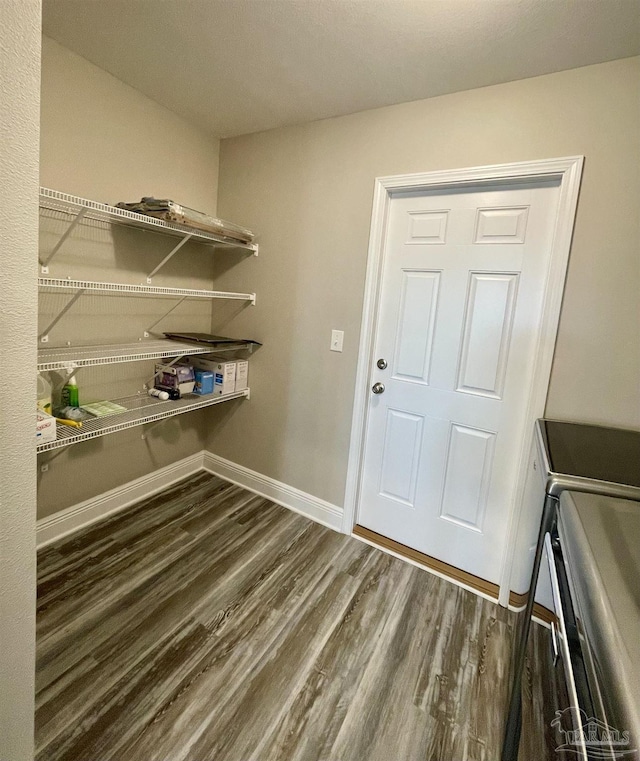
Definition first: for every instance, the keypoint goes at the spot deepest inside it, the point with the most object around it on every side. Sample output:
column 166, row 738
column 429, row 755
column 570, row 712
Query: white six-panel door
column 461, row 298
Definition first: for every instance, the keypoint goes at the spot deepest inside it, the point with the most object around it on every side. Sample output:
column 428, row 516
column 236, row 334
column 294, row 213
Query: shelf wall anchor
column 146, row 429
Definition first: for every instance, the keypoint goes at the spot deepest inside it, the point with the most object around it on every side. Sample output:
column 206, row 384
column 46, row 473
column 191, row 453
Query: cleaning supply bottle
column 44, row 395
column 159, row 393
column 69, row 396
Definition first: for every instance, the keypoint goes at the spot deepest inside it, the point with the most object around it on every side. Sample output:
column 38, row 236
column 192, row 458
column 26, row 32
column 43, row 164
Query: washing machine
column 565, row 456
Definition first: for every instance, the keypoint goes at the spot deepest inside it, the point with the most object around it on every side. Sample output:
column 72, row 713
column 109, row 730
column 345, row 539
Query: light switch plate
column 337, row 338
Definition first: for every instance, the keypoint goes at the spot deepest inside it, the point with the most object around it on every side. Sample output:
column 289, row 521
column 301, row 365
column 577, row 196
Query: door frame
column 568, row 171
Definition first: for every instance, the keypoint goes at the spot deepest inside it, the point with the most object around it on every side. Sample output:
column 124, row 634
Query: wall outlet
column 337, row 339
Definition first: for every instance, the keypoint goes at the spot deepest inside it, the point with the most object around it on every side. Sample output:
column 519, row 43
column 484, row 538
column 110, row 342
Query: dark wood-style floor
column 208, row 624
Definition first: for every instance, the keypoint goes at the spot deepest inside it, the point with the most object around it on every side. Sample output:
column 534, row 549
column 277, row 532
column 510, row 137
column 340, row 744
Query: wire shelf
column 141, row 409
column 54, row 200
column 67, row 357
column 139, row 290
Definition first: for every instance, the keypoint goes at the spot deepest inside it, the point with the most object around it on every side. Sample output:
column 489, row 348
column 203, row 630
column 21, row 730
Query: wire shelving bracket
column 44, row 268
column 173, row 251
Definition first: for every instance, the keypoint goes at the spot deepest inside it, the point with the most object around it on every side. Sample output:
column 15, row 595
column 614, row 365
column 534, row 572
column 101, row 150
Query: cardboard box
column 45, row 428
column 208, row 362
column 204, row 382
column 242, row 374
column 224, row 378
column 224, row 372
column 177, row 376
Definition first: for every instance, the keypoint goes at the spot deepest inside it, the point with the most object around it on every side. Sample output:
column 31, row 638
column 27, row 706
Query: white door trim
column 568, row 172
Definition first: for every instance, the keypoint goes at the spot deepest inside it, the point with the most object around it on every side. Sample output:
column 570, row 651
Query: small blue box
column 204, row 382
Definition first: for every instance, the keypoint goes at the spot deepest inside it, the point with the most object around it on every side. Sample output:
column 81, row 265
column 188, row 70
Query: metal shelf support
column 168, row 256
column 149, row 330
column 44, row 336
column 78, row 218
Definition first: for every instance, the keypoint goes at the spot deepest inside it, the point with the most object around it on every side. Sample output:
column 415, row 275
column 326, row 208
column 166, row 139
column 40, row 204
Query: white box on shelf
column 208, row 362
column 242, row 374
column 45, row 428
column 224, row 378
column 224, row 373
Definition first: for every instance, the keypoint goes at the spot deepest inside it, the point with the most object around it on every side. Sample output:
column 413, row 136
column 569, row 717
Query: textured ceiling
column 238, row 66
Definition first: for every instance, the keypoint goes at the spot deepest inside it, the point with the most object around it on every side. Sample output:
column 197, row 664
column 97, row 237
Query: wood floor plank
column 308, row 730
column 208, row 624
column 246, row 641
column 89, row 575
column 118, row 637
column 97, row 554
column 92, row 602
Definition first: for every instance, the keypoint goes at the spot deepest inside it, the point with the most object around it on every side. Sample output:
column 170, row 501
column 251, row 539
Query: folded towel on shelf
column 102, row 409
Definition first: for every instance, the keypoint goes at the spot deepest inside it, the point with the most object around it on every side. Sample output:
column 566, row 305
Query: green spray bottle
column 70, row 396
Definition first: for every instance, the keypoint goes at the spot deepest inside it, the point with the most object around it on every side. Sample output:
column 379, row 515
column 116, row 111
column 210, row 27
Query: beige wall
column 307, row 193
column 103, row 140
column 19, row 124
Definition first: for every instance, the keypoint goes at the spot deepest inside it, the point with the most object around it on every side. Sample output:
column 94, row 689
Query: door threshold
column 449, row 571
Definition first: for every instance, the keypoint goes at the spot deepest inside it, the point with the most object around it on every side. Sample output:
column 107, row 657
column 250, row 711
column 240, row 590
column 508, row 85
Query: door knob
column 378, row 388
column 382, row 364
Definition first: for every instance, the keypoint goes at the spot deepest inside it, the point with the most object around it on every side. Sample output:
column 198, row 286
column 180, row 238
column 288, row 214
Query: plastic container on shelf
column 44, row 391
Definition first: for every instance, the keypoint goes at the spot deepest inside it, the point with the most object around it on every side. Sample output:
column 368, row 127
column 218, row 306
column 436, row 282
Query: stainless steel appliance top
column 600, row 539
column 589, row 458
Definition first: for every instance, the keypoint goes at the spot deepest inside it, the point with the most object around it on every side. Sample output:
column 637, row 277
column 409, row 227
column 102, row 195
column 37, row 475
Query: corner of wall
column 19, row 126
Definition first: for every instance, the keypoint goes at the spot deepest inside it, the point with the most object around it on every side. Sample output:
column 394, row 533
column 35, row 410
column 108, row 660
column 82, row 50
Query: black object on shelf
column 209, row 339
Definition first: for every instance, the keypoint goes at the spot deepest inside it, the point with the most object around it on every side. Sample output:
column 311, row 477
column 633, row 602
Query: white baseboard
column 90, row 511
column 85, row 513
column 300, row 502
